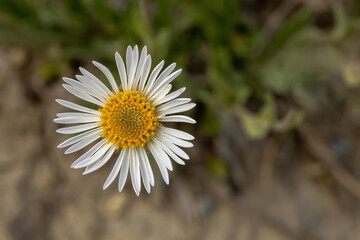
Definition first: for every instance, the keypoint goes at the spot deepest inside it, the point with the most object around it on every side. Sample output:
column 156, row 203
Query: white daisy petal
column 76, row 114
column 75, row 120
column 77, row 129
column 85, row 89
column 145, row 73
column 133, row 66
column 77, row 107
column 144, row 177
column 173, row 103
column 83, row 143
column 164, row 157
column 135, row 171
column 129, row 54
column 160, row 80
column 107, row 74
column 95, row 80
column 124, row 169
column 161, row 94
column 127, row 114
column 140, row 67
column 169, row 97
column 153, row 76
column 97, row 155
column 115, row 171
column 143, row 171
column 169, row 152
column 178, row 109
column 177, row 118
column 163, row 84
column 177, row 141
column 72, row 120
column 178, row 151
column 161, row 165
column 87, row 81
column 82, row 95
column 164, row 75
column 176, row 133
column 101, row 162
column 79, row 137
column 89, row 153
column 162, row 162
column 147, row 166
column 122, row 72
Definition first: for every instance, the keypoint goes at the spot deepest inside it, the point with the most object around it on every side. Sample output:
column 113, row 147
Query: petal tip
column 67, row 152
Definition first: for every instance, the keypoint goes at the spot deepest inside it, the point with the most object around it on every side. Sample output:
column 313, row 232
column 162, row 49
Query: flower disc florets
column 128, row 120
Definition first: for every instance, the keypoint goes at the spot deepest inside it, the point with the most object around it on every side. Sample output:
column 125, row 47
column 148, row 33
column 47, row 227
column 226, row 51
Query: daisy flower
column 129, row 120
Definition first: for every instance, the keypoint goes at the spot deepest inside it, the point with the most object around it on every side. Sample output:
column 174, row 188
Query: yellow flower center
column 128, row 120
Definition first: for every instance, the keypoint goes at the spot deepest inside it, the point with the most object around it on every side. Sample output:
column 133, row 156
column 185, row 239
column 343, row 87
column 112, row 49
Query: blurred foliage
column 218, row 167
column 239, row 58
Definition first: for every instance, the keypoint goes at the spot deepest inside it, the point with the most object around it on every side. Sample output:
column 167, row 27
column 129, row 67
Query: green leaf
column 258, row 125
column 352, row 75
column 218, row 167
column 254, row 127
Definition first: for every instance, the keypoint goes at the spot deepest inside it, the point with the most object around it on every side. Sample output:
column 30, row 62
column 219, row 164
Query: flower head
column 129, row 120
